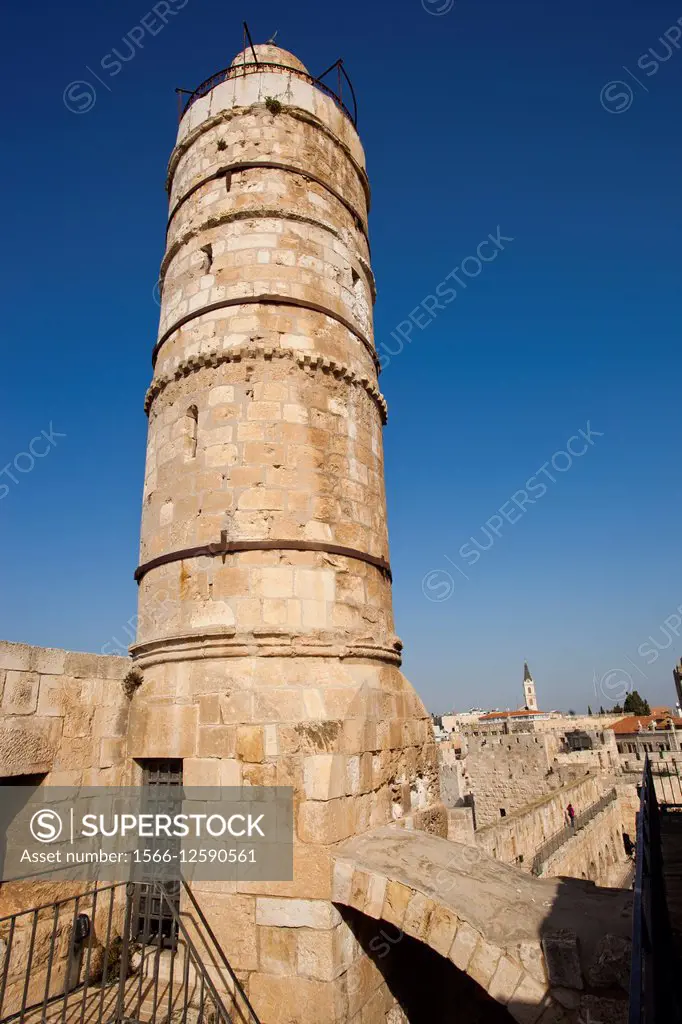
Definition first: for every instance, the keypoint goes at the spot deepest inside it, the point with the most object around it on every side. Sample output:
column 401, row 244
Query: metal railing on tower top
column 256, row 66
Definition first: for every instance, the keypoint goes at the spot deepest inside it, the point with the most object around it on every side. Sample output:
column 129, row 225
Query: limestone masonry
column 266, row 653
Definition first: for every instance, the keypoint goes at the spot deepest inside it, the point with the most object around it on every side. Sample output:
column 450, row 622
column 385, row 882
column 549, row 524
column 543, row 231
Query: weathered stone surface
column 277, row 948
column 170, row 732
column 562, row 958
column 529, row 1001
column 20, row 695
column 463, row 946
column 483, row 963
column 505, row 979
column 611, row 963
column 291, row 913
column 441, row 930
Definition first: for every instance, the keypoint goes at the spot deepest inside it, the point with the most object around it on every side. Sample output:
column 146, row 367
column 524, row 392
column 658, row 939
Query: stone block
column 292, row 913
column 232, row 918
column 20, row 696
column 376, row 893
column 532, row 960
column 529, row 1001
column 294, row 1000
column 358, row 889
column 441, row 929
column 28, row 745
column 562, row 959
column 464, row 945
column 17, row 657
column 325, row 822
column 209, row 709
column 271, row 741
column 230, row 771
column 277, row 950
column 342, row 881
column 217, row 741
column 250, row 743
column 111, row 753
column 611, row 963
column 48, row 660
column 484, row 962
column 418, row 915
column 395, row 903
column 316, row 955
column 163, row 730
column 324, row 776
column 505, row 979
column 58, row 695
column 201, row 771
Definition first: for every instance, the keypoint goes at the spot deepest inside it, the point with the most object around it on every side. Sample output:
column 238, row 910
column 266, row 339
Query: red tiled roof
column 629, row 725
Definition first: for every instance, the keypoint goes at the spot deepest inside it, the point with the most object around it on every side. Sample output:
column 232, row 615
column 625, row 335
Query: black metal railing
column 95, row 958
column 256, row 66
column 667, row 779
column 557, row 840
column 654, row 971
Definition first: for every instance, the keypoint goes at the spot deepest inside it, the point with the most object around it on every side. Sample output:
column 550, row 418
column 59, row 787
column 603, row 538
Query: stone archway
column 531, row 945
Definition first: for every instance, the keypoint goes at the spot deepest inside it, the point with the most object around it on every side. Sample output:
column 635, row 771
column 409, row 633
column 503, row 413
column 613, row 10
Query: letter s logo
column 46, row 826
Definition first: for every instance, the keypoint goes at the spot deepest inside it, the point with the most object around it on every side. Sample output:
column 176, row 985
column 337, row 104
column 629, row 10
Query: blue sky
column 479, row 117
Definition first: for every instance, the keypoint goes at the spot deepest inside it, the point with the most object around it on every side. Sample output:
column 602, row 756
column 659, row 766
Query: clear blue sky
column 484, row 117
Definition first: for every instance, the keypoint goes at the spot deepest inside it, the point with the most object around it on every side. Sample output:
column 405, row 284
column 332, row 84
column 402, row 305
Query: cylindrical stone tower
column 265, row 633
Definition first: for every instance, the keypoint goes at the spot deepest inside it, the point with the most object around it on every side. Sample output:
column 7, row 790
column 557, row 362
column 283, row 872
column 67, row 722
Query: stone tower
column 266, row 638
column 530, row 700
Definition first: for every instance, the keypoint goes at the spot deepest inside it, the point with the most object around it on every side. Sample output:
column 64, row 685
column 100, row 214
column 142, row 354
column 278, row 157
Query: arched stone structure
column 549, row 950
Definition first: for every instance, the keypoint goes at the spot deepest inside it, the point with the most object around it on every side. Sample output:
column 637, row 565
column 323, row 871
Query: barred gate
column 91, row 958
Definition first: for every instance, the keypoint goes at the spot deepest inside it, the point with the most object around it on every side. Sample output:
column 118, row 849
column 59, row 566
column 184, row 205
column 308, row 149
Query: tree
column 636, row 705
column 589, row 710
column 601, row 709
column 618, row 709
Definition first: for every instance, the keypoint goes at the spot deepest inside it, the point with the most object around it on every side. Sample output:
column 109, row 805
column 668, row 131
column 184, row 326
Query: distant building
column 530, row 700
column 648, row 734
column 524, row 715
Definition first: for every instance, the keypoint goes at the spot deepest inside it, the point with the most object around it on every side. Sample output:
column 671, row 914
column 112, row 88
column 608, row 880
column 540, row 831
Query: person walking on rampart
column 571, row 815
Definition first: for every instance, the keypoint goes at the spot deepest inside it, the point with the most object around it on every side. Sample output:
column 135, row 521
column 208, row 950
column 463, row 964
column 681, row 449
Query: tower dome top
column 268, row 53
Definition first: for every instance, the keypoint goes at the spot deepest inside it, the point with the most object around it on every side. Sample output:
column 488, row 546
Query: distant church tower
column 529, row 699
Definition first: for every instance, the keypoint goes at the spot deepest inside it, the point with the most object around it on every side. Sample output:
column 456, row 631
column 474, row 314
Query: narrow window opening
column 228, row 181
column 191, row 431
column 208, row 249
column 503, row 812
column 355, row 277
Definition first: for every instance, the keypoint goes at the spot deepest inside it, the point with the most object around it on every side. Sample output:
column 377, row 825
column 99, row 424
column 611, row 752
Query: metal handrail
column 219, row 949
column 562, row 836
column 654, row 993
column 79, row 913
column 237, row 70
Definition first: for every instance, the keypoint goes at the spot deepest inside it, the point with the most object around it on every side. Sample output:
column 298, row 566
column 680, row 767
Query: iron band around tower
column 267, row 300
column 269, row 165
column 225, row 547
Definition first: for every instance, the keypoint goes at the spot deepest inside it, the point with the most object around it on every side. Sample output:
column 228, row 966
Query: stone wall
column 63, row 714
column 505, row 773
column 517, row 838
column 452, row 774
column 63, row 717
column 596, row 852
